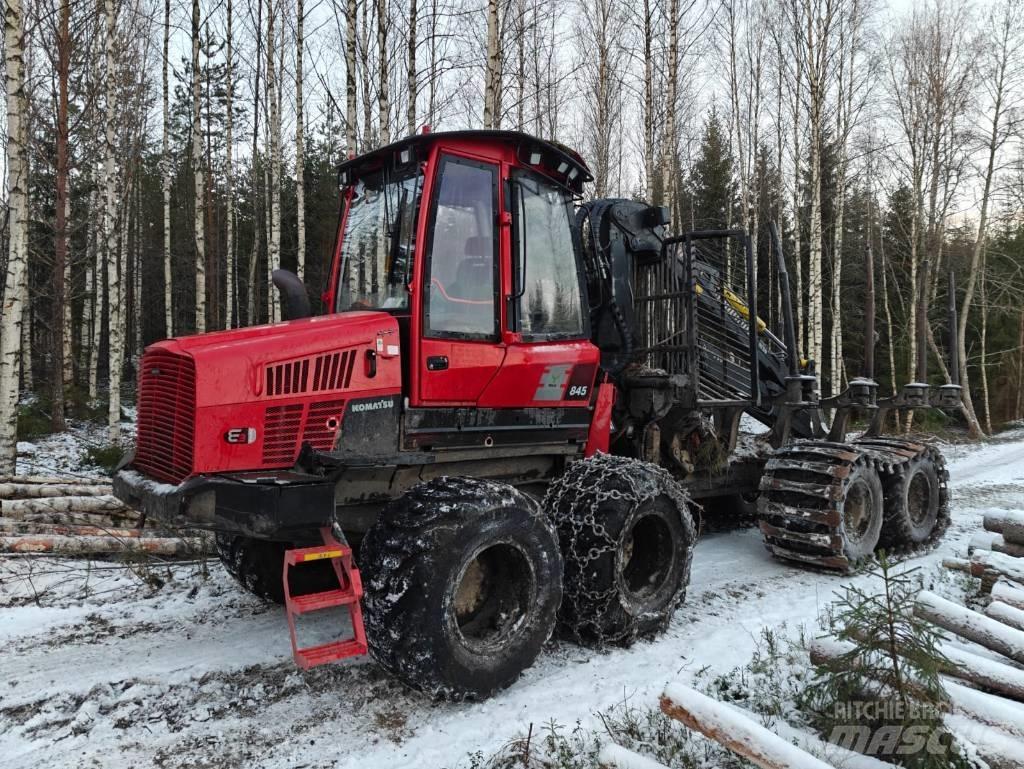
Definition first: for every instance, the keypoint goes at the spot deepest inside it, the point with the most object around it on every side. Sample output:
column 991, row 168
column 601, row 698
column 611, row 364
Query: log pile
column 81, row 517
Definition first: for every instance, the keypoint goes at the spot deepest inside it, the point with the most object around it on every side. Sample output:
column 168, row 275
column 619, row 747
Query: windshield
column 378, row 244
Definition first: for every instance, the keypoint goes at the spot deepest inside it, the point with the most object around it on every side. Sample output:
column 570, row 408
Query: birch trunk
column 648, row 105
column 167, row 177
column 491, row 83
column 300, row 159
column 411, row 75
column 99, row 295
column 60, row 235
column 383, row 99
column 17, row 259
column 197, row 175
column 671, row 138
column 274, row 193
column 351, row 119
column 115, row 287
column 229, row 170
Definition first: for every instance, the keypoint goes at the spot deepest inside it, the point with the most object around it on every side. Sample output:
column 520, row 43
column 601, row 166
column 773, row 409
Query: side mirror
column 294, row 299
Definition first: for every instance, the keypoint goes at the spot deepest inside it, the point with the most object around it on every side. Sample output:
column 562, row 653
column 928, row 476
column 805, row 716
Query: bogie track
column 831, row 504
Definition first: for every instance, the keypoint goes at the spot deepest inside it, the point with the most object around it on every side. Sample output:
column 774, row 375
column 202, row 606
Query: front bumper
column 260, row 504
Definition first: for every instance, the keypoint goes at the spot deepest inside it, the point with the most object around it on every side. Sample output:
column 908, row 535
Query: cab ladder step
column 348, row 594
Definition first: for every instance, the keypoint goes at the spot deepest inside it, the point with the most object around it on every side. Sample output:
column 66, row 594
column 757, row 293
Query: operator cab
column 468, row 240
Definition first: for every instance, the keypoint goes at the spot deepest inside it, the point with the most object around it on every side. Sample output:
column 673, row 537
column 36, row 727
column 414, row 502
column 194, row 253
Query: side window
column 460, row 296
column 549, row 289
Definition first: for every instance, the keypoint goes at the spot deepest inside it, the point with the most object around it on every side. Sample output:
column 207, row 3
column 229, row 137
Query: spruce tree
column 712, row 188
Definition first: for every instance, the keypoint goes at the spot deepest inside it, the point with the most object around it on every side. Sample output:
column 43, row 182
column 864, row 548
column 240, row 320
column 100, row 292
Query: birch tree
column 300, row 158
column 412, row 75
column 229, row 166
column 274, row 193
column 115, row 287
column 492, row 73
column 197, row 174
column 17, row 223
column 62, row 41
column 167, row 177
column 1001, row 66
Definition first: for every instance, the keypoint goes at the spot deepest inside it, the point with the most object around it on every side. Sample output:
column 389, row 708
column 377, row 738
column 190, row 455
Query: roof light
column 404, row 156
column 574, row 173
column 563, row 167
column 535, row 158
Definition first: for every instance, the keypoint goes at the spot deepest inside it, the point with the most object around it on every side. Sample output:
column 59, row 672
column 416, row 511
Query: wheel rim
column 493, row 596
column 647, row 555
column 919, row 499
column 857, row 511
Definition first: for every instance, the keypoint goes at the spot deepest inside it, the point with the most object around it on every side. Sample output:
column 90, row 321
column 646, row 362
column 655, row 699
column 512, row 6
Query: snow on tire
column 627, row 538
column 462, row 579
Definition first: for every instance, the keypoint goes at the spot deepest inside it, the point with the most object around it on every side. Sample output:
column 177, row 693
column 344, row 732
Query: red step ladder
column 348, row 593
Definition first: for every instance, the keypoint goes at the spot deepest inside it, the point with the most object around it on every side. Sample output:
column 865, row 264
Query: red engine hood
column 231, row 366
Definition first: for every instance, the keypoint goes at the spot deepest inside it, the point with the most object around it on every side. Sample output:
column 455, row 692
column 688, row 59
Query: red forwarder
column 485, row 336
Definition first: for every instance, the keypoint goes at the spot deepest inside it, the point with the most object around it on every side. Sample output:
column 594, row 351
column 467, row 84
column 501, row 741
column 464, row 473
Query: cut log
column 960, row 564
column 996, row 676
column 80, row 546
column 1006, row 614
column 36, row 490
column 998, row 562
column 971, row 625
column 739, row 733
column 1000, row 545
column 1009, row 523
column 1008, row 592
column 54, row 480
column 998, row 749
column 101, row 504
column 1005, row 680
column 612, row 756
column 12, row 527
column 123, row 519
column 988, row 708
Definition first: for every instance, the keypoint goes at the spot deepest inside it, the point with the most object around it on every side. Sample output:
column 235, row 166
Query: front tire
column 462, row 580
column 627, row 539
column 257, row 564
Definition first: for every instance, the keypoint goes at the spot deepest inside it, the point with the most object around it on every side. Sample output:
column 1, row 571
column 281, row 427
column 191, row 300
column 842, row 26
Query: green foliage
column 33, row 420
column 889, row 680
column 711, row 187
column 105, row 457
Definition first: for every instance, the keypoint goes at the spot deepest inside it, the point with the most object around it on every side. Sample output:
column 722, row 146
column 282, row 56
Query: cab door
column 549, row 359
column 461, row 348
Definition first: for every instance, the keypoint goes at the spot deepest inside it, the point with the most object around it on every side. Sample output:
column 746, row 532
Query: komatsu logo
column 383, row 403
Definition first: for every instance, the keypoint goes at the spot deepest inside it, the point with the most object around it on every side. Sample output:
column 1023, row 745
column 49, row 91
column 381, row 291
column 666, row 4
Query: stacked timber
column 81, row 517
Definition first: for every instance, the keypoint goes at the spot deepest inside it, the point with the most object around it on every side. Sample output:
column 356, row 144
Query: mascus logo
column 240, row 435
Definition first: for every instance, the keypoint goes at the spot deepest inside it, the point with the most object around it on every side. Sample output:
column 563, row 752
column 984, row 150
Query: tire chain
column 573, row 501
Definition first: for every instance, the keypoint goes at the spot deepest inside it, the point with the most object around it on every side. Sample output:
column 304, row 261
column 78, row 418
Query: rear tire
column 862, row 513
column 257, row 564
column 462, row 581
column 627, row 539
column 916, row 504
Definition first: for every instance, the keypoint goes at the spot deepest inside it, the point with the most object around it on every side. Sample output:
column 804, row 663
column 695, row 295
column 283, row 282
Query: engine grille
column 166, row 416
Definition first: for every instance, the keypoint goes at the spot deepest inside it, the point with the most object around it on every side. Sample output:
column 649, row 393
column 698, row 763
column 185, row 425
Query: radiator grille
column 281, row 428
column 166, row 416
column 322, row 424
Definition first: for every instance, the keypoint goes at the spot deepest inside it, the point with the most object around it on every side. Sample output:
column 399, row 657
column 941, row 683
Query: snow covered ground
column 109, row 666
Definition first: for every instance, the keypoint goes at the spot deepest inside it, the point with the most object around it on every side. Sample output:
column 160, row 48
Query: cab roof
column 555, row 160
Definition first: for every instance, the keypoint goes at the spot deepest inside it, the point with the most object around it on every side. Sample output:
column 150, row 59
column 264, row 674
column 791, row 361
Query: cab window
column 548, row 299
column 378, row 244
column 462, row 275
